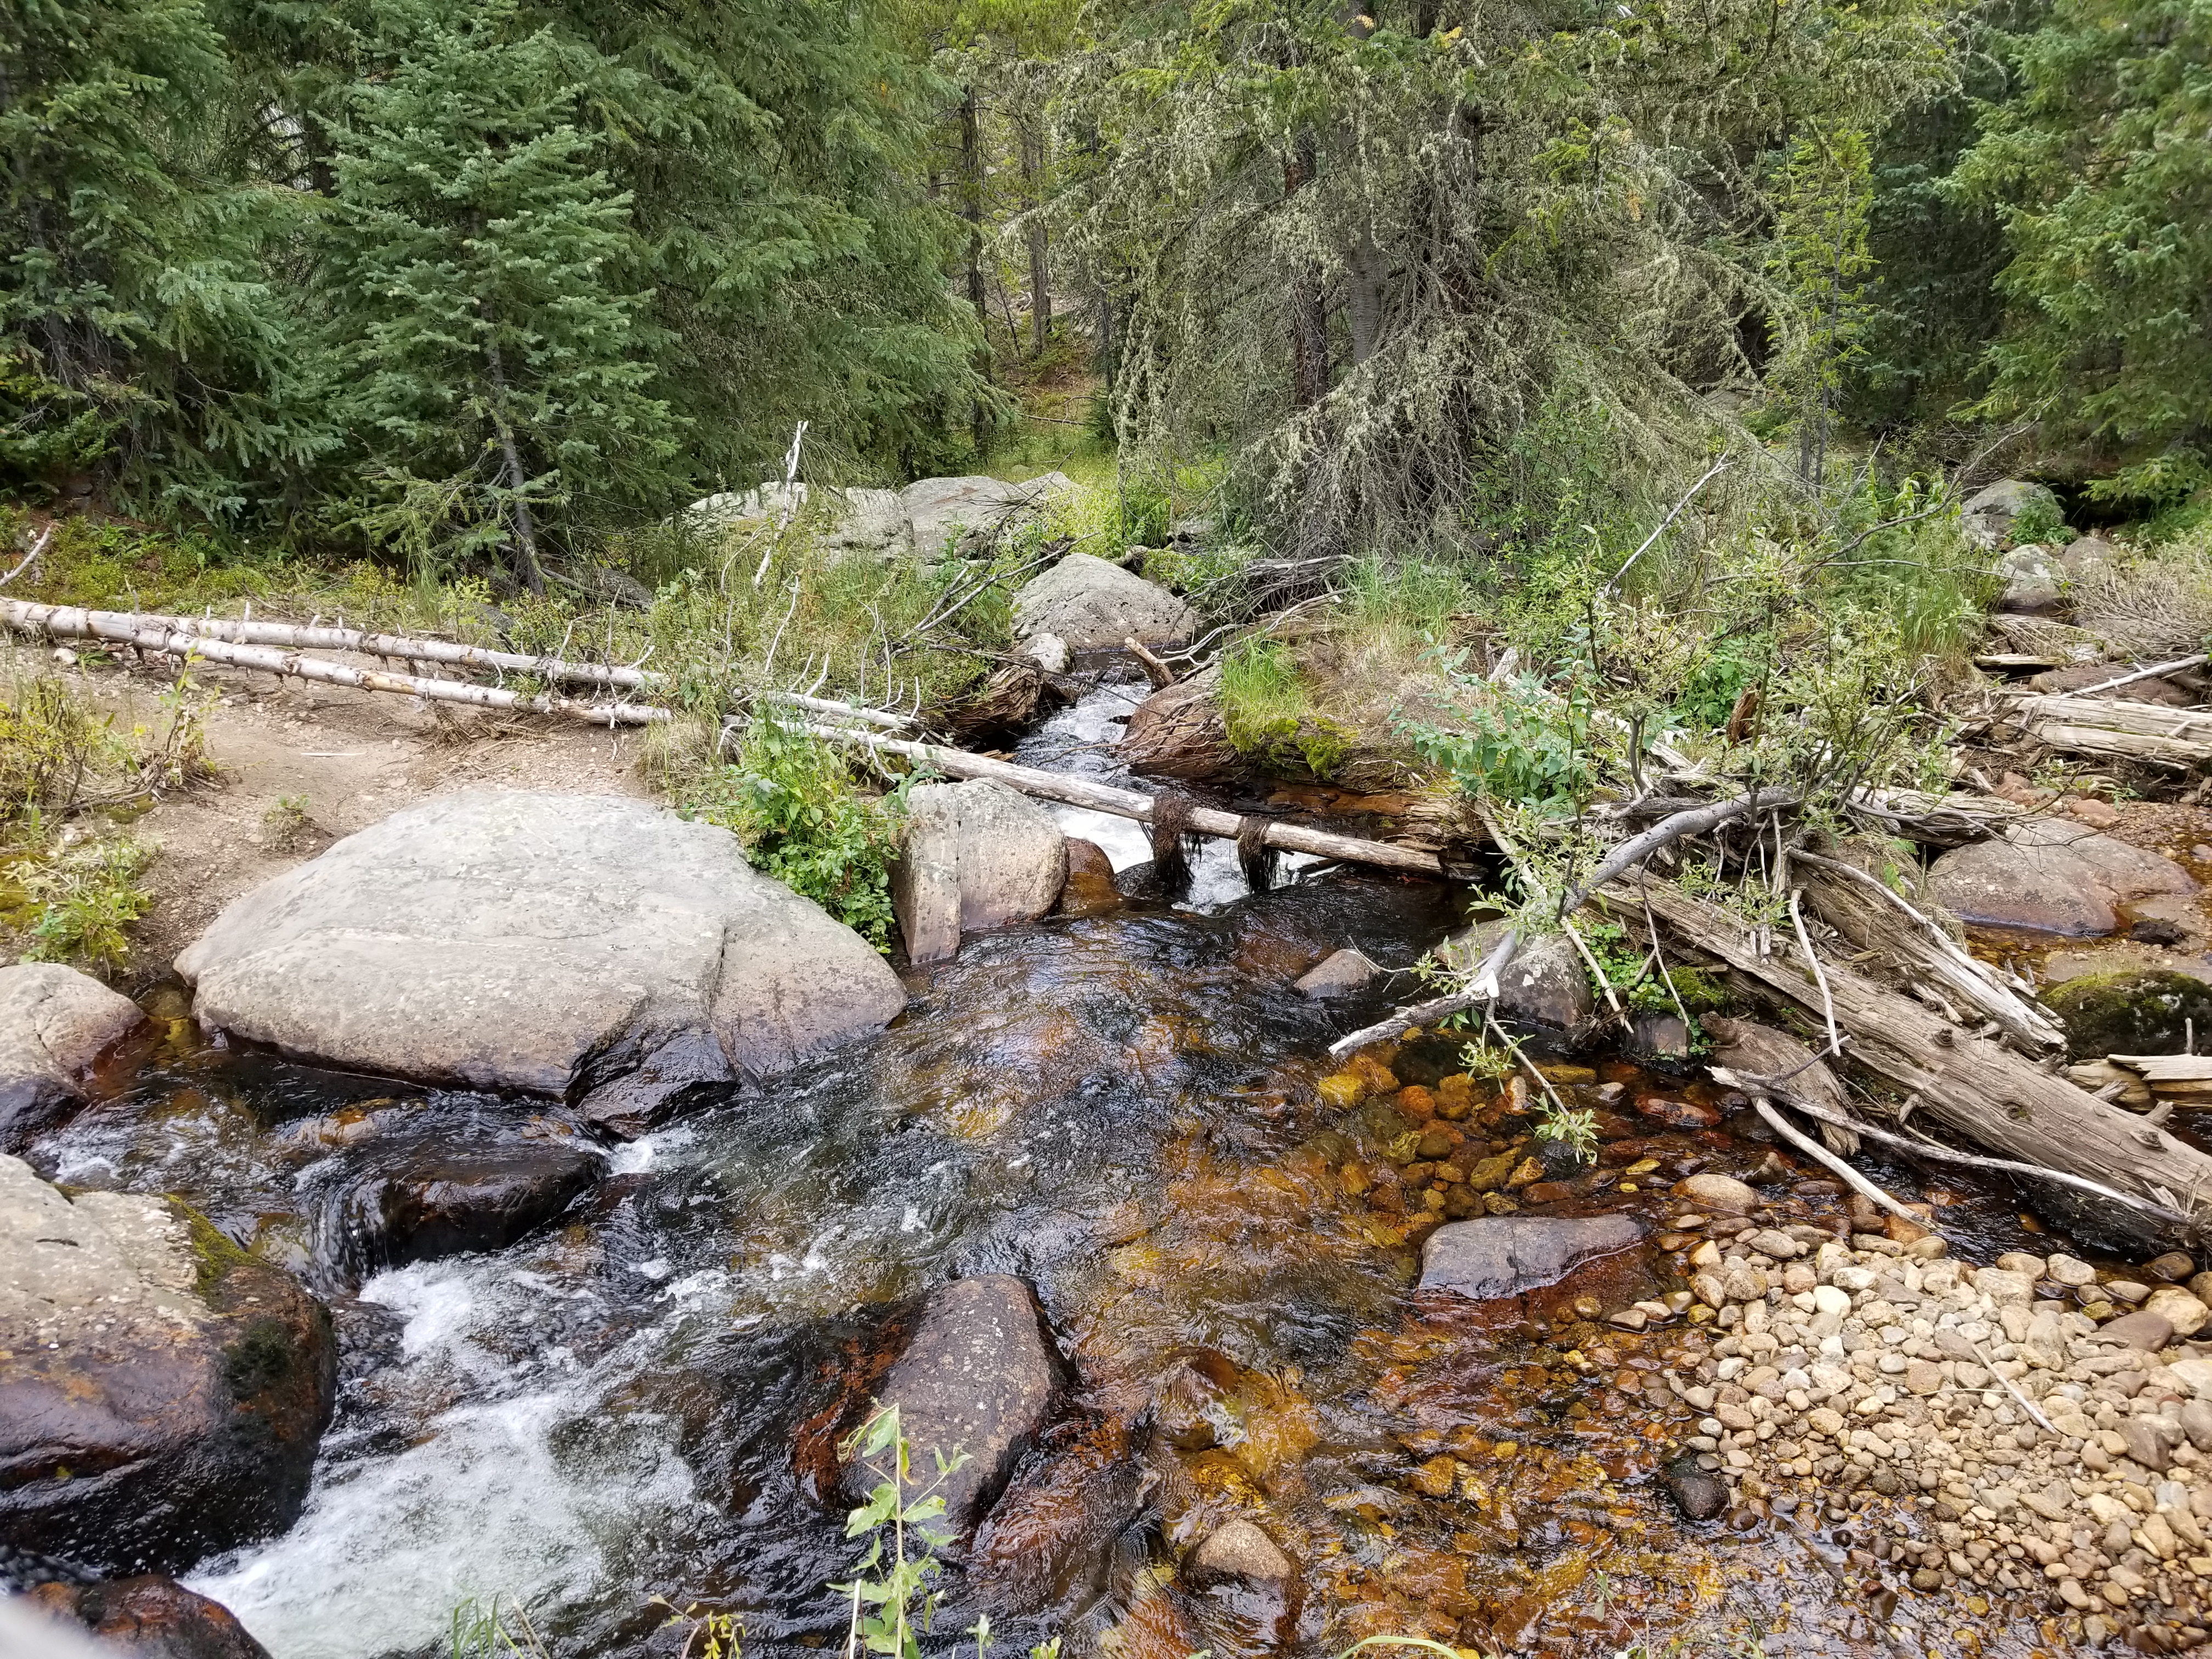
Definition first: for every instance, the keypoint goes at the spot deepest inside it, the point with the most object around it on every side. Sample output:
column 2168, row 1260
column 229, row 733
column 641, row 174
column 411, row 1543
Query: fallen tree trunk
column 1980, row 1090
column 70, row 622
column 2117, row 730
column 1129, row 804
column 1867, row 914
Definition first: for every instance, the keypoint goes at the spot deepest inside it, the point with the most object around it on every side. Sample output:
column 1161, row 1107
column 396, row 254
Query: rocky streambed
column 1255, row 1351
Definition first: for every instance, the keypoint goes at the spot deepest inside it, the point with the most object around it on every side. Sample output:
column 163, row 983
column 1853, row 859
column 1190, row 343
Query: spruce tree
column 501, row 379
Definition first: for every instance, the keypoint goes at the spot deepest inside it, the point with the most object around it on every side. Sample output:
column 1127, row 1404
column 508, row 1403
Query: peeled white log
column 153, row 634
column 1129, row 804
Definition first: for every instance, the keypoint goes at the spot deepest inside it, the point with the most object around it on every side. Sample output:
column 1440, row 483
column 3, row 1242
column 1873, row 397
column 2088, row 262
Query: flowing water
column 634, row 1413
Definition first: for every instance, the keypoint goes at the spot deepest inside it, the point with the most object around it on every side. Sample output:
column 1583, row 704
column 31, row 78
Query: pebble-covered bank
column 2034, row 1430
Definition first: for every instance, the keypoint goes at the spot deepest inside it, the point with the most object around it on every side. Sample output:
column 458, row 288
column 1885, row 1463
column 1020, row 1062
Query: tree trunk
column 1033, row 164
column 971, row 209
column 1362, row 299
column 1309, row 321
column 526, row 526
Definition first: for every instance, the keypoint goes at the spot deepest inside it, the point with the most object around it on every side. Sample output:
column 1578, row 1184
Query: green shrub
column 1518, row 742
column 80, row 900
column 790, row 799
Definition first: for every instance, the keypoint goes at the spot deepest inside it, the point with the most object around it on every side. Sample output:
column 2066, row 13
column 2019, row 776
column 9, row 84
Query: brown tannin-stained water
column 634, row 1410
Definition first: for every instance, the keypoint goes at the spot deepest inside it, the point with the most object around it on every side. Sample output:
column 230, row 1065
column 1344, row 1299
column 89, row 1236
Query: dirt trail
column 349, row 758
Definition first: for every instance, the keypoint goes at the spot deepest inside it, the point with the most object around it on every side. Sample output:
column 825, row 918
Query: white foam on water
column 494, row 1500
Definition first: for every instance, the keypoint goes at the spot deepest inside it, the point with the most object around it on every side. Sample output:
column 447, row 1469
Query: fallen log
column 1922, row 950
column 1130, row 804
column 70, row 621
column 1980, row 1090
column 2178, row 738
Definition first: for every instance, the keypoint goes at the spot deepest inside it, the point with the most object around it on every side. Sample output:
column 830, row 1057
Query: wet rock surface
column 161, row 1395
column 1094, row 605
column 2051, row 877
column 417, row 1197
column 1178, row 732
column 579, row 945
column 977, row 1377
column 974, row 856
column 1545, row 985
column 1090, row 891
column 1340, row 974
column 1506, row 1255
column 151, row 1617
column 54, row 1024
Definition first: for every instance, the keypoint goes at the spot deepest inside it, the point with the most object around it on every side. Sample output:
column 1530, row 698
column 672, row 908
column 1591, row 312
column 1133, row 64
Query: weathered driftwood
column 1129, row 804
column 70, row 622
column 2152, row 672
column 2117, row 730
column 1866, row 913
column 1980, row 1090
column 1695, row 821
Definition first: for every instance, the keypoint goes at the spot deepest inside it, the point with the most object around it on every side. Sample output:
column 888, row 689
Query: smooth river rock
column 2051, row 877
column 1545, row 984
column 1988, row 515
column 977, row 1377
column 149, row 1617
column 1095, row 607
column 584, row 946
column 972, row 856
column 54, row 1024
column 423, row 1194
column 161, row 1392
column 1505, row 1255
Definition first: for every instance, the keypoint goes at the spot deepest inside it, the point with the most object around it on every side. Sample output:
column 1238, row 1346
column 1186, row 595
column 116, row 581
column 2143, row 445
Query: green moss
column 1269, row 713
column 212, row 1250
column 2145, row 1011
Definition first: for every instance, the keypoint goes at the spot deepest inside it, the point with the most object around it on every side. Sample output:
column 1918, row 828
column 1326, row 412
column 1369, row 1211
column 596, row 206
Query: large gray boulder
column 977, row 1379
column 1988, row 515
column 585, row 946
column 873, row 521
column 944, row 511
column 161, row 1393
column 1095, row 605
column 54, row 1024
column 1505, row 1255
column 2048, row 876
column 1545, row 984
column 2034, row 582
column 973, row 855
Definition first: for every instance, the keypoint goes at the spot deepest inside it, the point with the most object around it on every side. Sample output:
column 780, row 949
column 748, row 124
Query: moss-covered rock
column 2145, row 1011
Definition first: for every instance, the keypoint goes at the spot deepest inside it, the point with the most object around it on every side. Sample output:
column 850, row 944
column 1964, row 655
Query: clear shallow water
column 634, row 1410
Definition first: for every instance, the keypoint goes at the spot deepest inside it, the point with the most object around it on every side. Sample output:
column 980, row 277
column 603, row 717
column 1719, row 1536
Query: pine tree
column 130, row 295
column 1820, row 261
column 2101, row 169
column 502, row 379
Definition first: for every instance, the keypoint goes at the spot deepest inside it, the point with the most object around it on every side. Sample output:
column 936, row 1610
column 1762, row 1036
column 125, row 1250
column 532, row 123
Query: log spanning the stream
column 155, row 635
column 1131, row 804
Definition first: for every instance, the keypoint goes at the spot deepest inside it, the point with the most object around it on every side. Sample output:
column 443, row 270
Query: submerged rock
column 54, row 1024
column 1699, row 1495
column 161, row 1392
column 975, row 855
column 2145, row 1011
column 2050, row 877
column 1178, row 732
column 1094, row 605
column 579, row 945
column 977, row 1377
column 1340, row 974
column 153, row 1616
column 1506, row 1255
column 1090, row 891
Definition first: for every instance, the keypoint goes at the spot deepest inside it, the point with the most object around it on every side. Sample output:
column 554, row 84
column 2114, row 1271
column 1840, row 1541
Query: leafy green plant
column 285, row 822
column 1518, row 742
column 890, row 1587
column 1565, row 1126
column 790, row 799
column 487, row 1631
column 83, row 899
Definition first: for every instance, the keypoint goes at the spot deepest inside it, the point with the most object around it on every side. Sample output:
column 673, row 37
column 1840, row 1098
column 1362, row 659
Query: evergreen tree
column 501, row 378
column 129, row 297
column 1820, row 262
column 2101, row 170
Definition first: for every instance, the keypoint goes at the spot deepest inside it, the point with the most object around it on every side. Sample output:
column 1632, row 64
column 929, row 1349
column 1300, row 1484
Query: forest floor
column 302, row 765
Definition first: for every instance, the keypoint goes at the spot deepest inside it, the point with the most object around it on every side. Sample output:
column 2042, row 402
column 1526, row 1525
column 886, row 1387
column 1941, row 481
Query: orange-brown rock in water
column 1090, row 889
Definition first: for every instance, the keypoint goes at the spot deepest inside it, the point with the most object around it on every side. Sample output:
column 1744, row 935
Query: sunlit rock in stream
column 1504, row 1255
column 1341, row 974
column 152, row 1617
column 54, row 1024
column 586, row 947
column 977, row 1379
column 1090, row 891
column 161, row 1393
column 973, row 855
